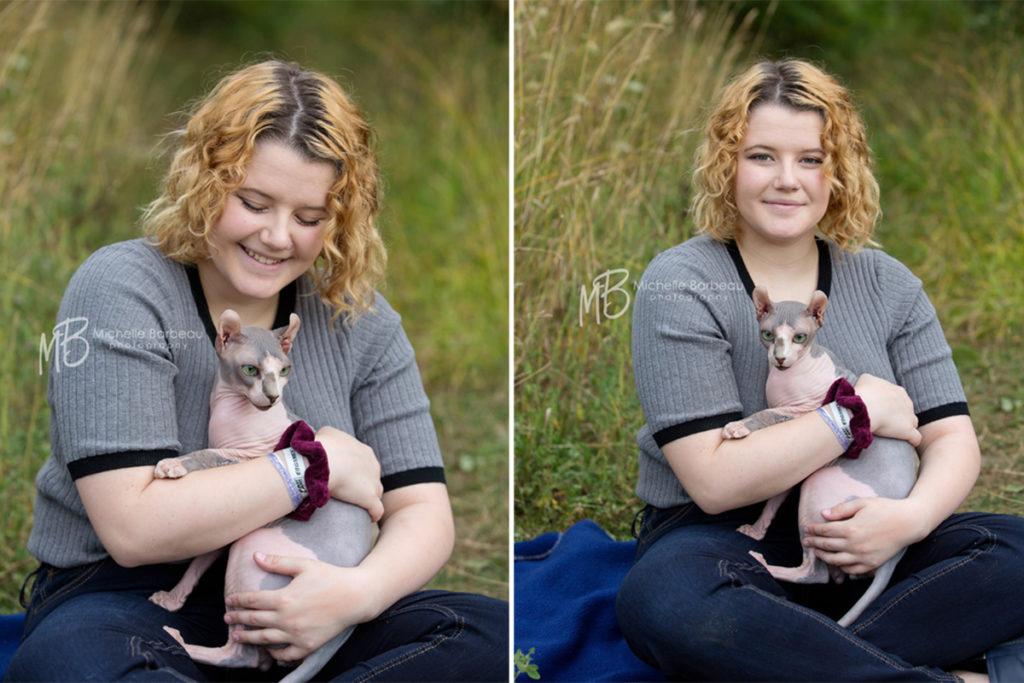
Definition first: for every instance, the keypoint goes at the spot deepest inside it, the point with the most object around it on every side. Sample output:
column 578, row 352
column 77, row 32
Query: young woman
column 268, row 209
column 786, row 198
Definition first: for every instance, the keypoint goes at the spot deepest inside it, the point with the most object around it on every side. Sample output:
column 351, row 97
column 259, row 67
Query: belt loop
column 34, row 577
column 642, row 516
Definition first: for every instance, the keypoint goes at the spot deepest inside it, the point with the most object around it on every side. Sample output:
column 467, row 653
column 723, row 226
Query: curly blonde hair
column 853, row 208
column 281, row 102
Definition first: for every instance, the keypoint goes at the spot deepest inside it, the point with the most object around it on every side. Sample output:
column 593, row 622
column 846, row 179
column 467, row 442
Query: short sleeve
column 111, row 378
column 921, row 358
column 682, row 357
column 391, row 414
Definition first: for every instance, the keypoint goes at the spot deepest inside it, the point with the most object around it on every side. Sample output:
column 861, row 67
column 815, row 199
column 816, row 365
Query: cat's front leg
column 176, row 468
column 759, row 420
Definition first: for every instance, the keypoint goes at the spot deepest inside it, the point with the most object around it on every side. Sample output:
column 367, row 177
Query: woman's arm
column 143, row 520
column 725, row 474
column 416, row 538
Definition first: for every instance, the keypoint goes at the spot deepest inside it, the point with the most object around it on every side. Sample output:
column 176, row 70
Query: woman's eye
column 800, row 338
column 813, row 161
column 759, row 156
column 309, row 224
column 249, row 205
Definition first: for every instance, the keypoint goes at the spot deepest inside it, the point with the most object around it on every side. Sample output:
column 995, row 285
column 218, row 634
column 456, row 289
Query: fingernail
column 229, row 602
column 260, row 556
column 228, row 619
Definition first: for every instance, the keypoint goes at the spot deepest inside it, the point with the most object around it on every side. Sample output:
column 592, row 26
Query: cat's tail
column 312, row 664
column 878, row 584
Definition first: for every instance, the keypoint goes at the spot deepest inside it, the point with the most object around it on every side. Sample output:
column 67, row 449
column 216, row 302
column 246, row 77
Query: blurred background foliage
column 609, row 100
column 87, row 89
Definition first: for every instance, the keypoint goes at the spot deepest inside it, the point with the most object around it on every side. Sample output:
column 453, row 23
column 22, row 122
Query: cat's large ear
column 816, row 309
column 230, row 326
column 286, row 335
column 762, row 302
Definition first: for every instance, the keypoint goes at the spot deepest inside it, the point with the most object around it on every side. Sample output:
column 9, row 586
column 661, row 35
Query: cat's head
column 788, row 327
column 254, row 361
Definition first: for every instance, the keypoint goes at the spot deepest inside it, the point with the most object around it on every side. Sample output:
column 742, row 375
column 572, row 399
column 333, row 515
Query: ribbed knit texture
column 142, row 388
column 698, row 362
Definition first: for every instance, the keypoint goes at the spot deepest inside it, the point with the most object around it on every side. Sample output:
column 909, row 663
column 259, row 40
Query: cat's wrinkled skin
column 800, row 374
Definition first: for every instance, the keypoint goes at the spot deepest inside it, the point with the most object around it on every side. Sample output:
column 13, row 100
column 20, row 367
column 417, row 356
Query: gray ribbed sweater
column 131, row 384
column 698, row 362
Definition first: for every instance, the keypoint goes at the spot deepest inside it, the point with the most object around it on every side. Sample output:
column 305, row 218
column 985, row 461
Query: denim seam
column 137, row 646
column 649, row 534
column 723, row 566
column 75, row 583
column 921, row 584
column 426, row 647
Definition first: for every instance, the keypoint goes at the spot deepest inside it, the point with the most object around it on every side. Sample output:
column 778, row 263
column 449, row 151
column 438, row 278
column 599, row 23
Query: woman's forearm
column 416, row 539
column 950, row 462
column 725, row 474
column 141, row 520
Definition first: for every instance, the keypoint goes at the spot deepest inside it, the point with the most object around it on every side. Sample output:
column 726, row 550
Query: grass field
column 86, row 91
column 608, row 103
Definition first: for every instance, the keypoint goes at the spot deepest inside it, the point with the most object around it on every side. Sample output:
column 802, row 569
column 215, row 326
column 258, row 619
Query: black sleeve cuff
column 116, row 461
column 939, row 412
column 670, row 434
column 420, row 475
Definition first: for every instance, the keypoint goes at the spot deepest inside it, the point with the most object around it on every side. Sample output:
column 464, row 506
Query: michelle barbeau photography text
column 608, row 295
column 70, row 345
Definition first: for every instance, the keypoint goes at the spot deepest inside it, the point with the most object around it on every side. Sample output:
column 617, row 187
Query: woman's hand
column 321, row 601
column 862, row 534
column 355, row 471
column 890, row 409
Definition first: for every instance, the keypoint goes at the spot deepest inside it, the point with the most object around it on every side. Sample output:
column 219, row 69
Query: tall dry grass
column 608, row 99
column 72, row 172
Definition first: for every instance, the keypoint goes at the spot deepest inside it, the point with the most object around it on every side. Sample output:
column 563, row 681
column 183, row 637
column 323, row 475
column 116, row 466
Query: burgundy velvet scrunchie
column 300, row 436
column 842, row 393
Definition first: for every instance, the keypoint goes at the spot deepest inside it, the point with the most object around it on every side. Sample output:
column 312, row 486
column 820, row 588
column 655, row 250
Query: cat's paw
column 169, row 468
column 167, row 600
column 752, row 531
column 175, row 633
column 760, row 558
column 735, row 430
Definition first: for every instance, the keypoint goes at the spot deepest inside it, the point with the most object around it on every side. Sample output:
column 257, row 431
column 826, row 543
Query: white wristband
column 296, row 465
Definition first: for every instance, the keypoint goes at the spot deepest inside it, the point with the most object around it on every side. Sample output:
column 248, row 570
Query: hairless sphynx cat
column 247, row 418
column 800, row 374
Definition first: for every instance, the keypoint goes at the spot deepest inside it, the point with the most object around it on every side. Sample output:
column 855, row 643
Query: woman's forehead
column 772, row 124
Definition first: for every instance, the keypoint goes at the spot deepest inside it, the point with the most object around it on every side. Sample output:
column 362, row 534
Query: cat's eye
column 767, row 335
column 286, row 370
column 800, row 338
column 250, row 370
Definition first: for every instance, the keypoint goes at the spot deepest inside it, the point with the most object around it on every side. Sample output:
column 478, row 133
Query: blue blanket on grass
column 11, row 626
column 564, row 592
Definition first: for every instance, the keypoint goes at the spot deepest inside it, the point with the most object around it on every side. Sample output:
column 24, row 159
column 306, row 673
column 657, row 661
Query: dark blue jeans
column 697, row 606
column 96, row 623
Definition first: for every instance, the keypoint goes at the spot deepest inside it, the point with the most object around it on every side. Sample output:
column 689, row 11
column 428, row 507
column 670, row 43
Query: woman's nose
column 785, row 179
column 276, row 233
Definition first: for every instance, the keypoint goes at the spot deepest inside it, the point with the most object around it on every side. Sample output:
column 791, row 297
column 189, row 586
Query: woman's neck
column 788, row 270
column 254, row 312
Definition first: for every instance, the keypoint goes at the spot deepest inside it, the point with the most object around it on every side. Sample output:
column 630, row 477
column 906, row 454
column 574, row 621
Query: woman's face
column 781, row 192
column 271, row 229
